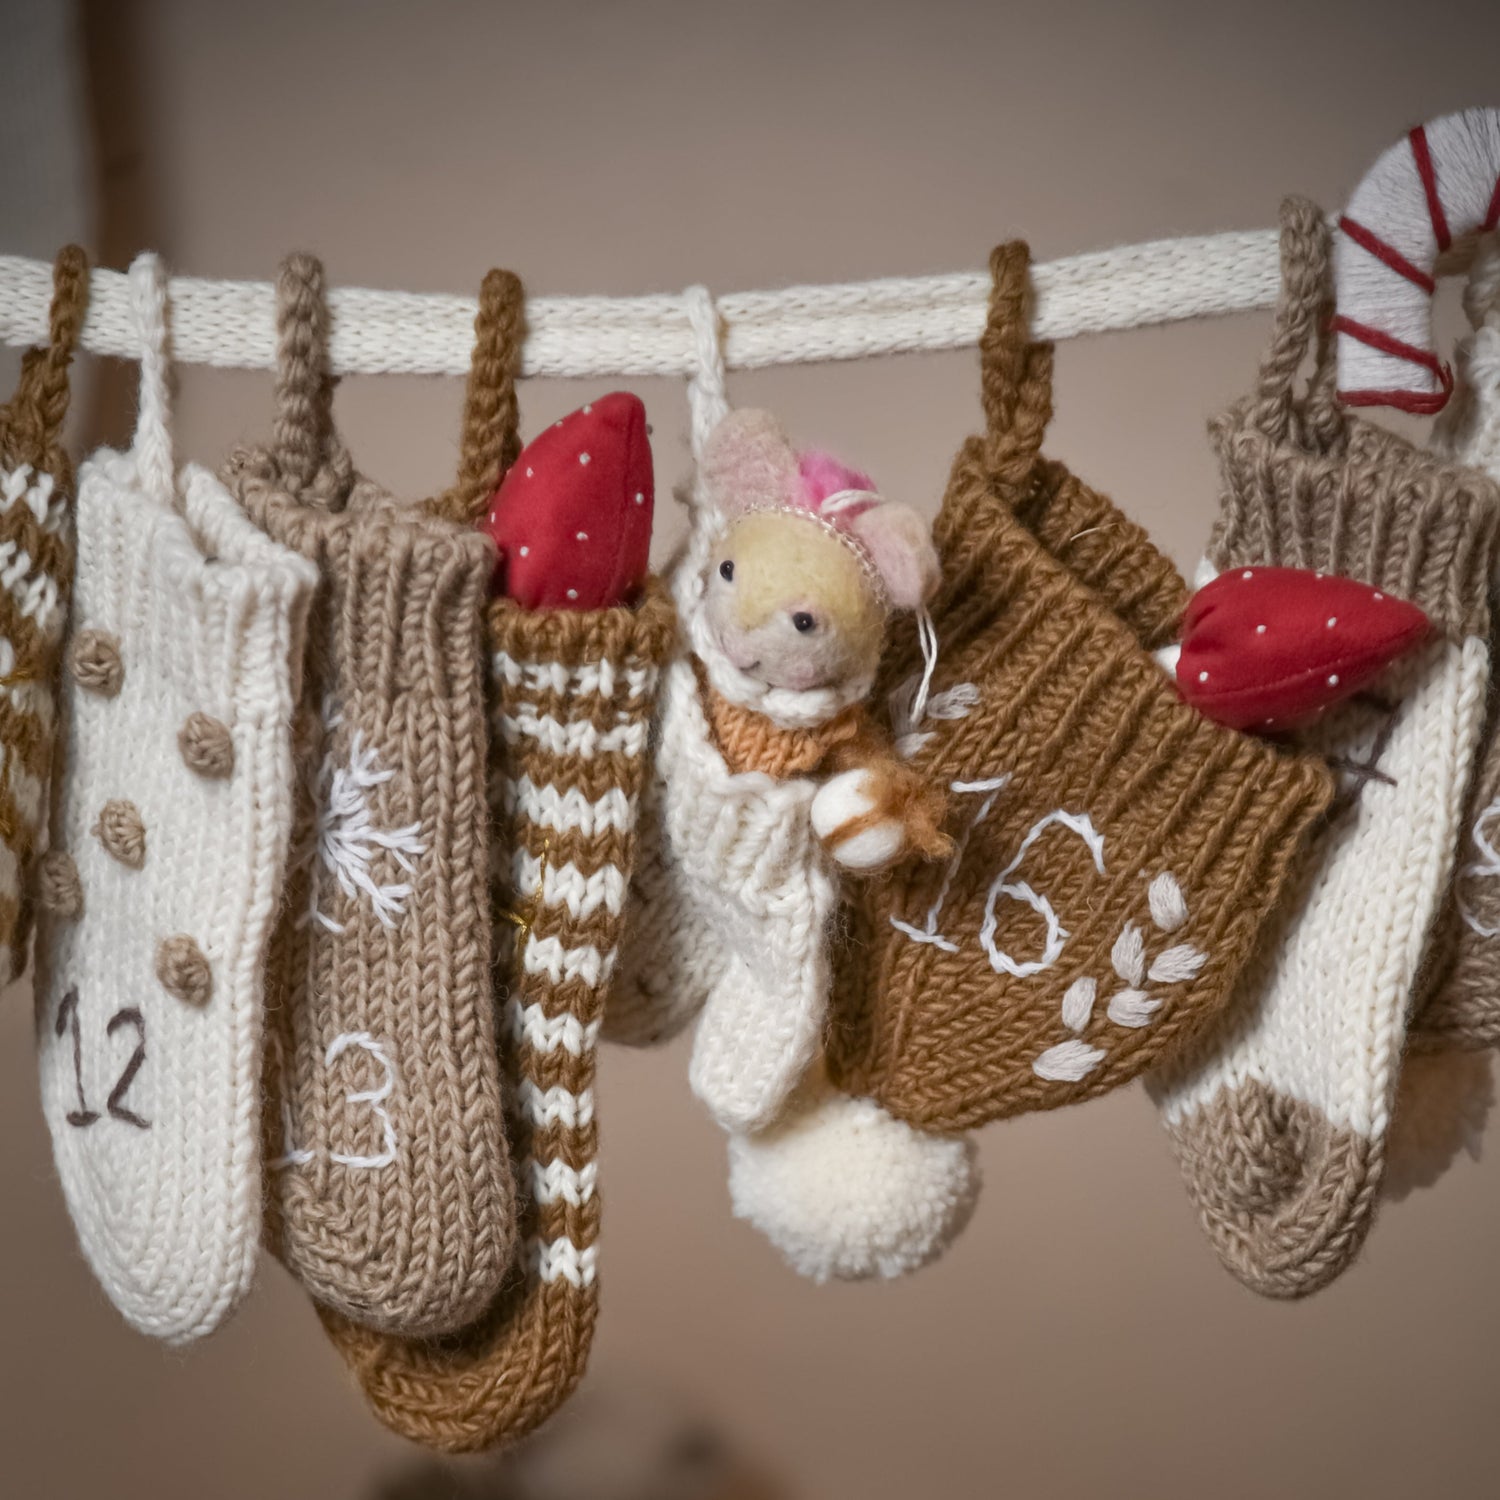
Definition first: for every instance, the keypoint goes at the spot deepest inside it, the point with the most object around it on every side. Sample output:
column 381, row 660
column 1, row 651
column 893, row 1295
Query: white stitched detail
column 1168, row 908
column 555, row 1105
column 550, row 957
column 578, row 736
column 602, row 679
column 556, row 1182
column 569, row 811
column 373, row 1097
column 1486, row 867
column 1128, row 956
column 543, row 1033
column 565, row 885
column 1176, row 965
column 1057, row 934
column 1133, row 1008
column 1078, row 1003
column 1068, row 1062
column 346, row 838
column 562, row 1260
column 928, row 932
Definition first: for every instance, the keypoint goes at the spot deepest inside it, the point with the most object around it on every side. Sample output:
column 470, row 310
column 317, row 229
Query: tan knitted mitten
column 1117, row 851
column 389, row 1195
column 170, row 833
column 564, row 809
column 36, row 535
column 1279, row 1118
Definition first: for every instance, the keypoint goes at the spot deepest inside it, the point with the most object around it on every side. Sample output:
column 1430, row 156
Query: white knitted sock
column 169, row 842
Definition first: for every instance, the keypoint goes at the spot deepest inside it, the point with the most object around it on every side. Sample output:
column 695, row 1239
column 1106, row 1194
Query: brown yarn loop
column 183, row 969
column 492, row 420
column 31, row 422
column 94, row 660
column 122, row 831
column 206, row 745
column 1015, row 374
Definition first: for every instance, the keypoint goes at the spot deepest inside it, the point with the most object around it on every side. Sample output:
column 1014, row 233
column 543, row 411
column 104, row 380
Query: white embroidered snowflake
column 346, row 838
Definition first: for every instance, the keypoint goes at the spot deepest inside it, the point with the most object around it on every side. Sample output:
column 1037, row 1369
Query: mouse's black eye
column 726, row 571
column 803, row 621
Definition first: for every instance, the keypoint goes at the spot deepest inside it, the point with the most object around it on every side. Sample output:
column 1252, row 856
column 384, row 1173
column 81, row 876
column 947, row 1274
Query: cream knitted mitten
column 36, row 487
column 179, row 690
column 1279, row 1117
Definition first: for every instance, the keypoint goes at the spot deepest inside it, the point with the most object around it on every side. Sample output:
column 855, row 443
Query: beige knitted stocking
column 564, row 810
column 1279, row 1118
column 389, row 1191
column 36, row 488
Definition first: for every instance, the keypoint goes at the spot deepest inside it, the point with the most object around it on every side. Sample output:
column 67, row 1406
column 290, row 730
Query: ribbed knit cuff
column 1372, row 507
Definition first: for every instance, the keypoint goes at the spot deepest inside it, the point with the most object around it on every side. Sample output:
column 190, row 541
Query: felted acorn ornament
column 1267, row 649
column 571, row 520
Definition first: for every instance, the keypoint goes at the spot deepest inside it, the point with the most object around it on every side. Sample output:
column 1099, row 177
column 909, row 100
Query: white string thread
column 232, row 324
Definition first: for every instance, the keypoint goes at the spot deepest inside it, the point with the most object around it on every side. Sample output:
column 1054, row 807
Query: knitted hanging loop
column 1015, row 374
column 1426, row 192
column 571, row 697
column 389, row 1187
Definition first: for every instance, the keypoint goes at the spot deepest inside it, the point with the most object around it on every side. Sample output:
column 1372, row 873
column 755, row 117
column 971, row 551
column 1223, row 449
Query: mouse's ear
column 748, row 463
column 900, row 545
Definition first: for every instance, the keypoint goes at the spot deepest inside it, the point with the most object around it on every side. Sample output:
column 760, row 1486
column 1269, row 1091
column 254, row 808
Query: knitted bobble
column 94, row 661
column 58, row 887
column 206, row 745
column 184, row 971
column 122, row 832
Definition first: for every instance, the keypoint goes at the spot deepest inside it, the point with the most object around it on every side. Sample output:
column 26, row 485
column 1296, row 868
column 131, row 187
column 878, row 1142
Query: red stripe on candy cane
column 1423, row 158
column 1421, row 403
column 1368, row 240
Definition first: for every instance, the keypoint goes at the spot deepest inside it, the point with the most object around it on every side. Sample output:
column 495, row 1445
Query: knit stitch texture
column 36, row 486
column 150, row 973
column 390, row 1195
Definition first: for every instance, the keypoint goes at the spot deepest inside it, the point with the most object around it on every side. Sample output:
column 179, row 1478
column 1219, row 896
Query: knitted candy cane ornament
column 571, row 696
column 1447, row 1086
column 36, row 483
column 1116, row 851
column 389, row 1186
column 173, row 818
column 1279, row 1118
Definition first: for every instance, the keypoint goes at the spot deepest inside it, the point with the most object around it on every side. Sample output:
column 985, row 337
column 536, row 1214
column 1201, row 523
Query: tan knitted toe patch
column 94, row 660
column 122, row 831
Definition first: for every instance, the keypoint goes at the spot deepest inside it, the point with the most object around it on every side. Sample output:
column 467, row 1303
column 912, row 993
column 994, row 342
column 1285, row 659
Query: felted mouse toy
column 770, row 776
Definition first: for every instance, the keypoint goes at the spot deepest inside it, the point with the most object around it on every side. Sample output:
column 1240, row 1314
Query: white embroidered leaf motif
column 1168, row 909
column 1133, row 1008
column 1078, row 1003
column 1129, row 955
column 1177, row 964
column 1068, row 1062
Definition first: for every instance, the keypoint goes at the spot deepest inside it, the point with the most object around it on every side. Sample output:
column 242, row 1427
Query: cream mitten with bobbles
column 170, row 837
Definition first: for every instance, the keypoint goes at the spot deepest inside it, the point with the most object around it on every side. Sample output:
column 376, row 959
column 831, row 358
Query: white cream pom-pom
column 1442, row 1104
column 839, row 802
column 845, row 1191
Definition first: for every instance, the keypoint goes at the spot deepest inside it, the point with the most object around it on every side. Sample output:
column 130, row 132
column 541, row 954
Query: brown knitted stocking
column 389, row 1192
column 564, row 812
column 36, row 523
column 1117, row 851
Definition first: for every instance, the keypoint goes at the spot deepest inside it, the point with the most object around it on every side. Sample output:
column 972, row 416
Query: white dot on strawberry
column 1333, row 680
column 1247, row 574
column 1203, row 677
column 1260, row 630
column 1379, row 598
column 529, row 473
column 583, row 536
column 572, row 593
column 640, row 499
column 525, row 551
column 583, row 458
column 1332, row 621
column 587, row 410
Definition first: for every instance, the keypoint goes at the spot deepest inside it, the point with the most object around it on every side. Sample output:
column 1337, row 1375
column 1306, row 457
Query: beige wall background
column 1081, row 1339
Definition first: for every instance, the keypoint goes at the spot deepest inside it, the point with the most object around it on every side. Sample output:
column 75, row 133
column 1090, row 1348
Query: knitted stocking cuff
column 36, row 487
column 1119, row 856
column 1363, row 503
column 571, row 702
column 391, row 1195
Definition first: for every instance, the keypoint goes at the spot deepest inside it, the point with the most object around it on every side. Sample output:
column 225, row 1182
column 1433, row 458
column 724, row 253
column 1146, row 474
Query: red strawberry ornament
column 572, row 518
column 1271, row 648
